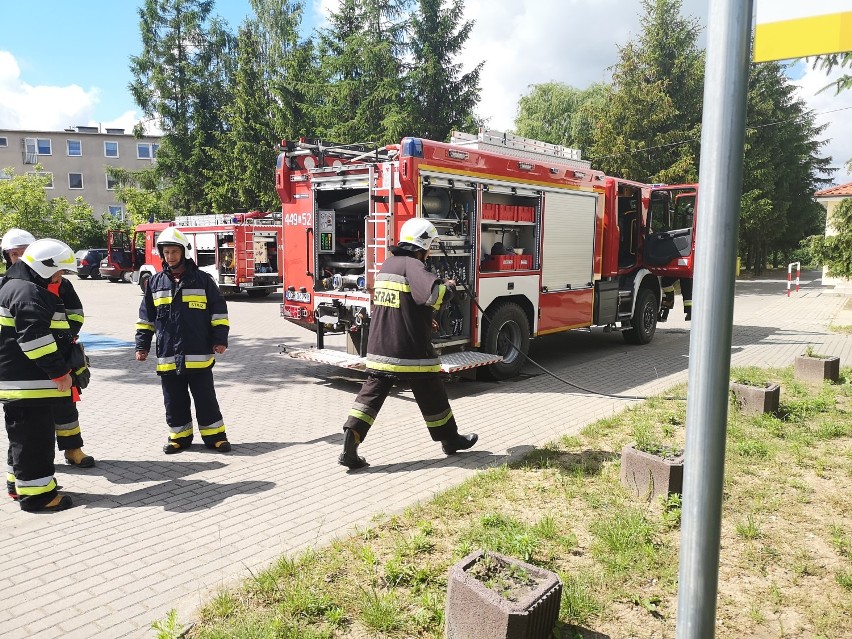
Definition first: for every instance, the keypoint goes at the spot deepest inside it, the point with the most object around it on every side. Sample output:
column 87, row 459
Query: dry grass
column 786, row 554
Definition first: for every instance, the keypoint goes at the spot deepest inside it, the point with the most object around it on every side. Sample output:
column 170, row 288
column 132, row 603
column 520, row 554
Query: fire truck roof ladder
column 525, row 148
column 353, row 152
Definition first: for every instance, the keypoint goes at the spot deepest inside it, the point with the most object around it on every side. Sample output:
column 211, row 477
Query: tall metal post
column 720, row 185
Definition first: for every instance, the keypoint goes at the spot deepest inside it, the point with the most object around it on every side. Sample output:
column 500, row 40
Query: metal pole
column 720, row 185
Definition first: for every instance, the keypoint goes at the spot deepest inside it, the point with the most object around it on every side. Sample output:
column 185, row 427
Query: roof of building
column 841, row 190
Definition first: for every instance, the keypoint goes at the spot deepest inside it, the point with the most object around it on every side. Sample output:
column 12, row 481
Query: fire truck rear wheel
column 259, row 292
column 506, row 332
column 644, row 322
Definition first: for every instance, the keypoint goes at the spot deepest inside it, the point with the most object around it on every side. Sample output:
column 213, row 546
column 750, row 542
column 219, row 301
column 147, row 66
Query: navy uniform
column 189, row 316
column 399, row 347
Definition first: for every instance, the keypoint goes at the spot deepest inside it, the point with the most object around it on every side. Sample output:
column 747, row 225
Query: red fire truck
column 534, row 236
column 240, row 251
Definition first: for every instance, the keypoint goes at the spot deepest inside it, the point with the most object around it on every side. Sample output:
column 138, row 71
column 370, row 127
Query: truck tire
column 506, row 332
column 82, row 276
column 644, row 322
column 143, row 281
column 259, row 292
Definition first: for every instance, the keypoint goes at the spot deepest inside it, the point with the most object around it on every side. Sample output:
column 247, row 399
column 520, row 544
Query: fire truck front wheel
column 506, row 332
column 644, row 322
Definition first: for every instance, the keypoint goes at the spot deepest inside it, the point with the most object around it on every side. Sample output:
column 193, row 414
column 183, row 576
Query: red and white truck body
column 535, row 237
column 242, row 251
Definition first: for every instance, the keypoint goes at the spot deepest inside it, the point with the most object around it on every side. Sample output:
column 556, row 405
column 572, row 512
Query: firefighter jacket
column 189, row 316
column 405, row 298
column 35, row 339
column 71, row 301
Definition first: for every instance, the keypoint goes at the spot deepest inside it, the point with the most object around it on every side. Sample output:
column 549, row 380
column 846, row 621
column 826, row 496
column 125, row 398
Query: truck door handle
column 308, row 232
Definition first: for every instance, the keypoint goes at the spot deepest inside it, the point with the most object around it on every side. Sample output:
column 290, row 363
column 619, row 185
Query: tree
column 828, row 62
column 242, row 169
column 181, row 79
column 442, row 99
column 143, row 194
column 835, row 251
column 24, row 204
column 649, row 128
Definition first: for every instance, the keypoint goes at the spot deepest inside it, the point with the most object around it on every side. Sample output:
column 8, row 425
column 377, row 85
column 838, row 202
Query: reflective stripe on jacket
column 405, row 297
column 189, row 316
column 34, row 339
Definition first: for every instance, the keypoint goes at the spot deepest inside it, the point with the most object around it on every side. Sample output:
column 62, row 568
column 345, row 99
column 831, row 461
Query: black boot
column 459, row 442
column 349, row 457
column 688, row 314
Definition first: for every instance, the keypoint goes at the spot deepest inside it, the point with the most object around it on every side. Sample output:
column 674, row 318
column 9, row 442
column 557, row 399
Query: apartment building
column 75, row 160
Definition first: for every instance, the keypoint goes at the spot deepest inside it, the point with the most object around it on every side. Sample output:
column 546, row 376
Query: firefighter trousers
column 176, row 391
column 429, row 392
column 67, row 421
column 30, row 457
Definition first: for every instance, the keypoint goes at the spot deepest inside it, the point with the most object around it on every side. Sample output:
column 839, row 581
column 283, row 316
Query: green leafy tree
column 442, row 98
column 649, row 129
column 241, row 173
column 143, row 195
column 181, row 80
column 24, row 204
column 835, row 250
column 835, row 60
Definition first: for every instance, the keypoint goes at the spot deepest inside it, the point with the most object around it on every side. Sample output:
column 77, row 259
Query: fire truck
column 537, row 240
column 240, row 251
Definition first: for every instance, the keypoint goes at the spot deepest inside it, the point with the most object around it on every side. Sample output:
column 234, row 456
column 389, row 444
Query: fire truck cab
column 537, row 241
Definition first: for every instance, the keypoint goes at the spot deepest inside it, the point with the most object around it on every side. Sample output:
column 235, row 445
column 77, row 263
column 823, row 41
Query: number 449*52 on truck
column 534, row 236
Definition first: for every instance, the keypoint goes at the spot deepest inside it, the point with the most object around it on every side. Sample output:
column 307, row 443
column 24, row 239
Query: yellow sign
column 788, row 29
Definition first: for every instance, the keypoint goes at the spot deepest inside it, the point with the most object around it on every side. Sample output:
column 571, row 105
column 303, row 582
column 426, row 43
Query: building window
column 143, row 151
column 154, row 148
column 75, row 148
column 43, row 146
column 111, row 149
column 46, row 174
column 75, row 180
column 4, row 175
column 4, row 142
column 117, row 211
column 111, row 182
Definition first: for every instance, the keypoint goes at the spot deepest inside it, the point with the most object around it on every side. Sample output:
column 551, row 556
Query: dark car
column 88, row 263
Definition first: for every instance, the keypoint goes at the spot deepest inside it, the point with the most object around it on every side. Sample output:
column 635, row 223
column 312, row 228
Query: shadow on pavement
column 468, row 460
column 176, row 495
column 124, row 471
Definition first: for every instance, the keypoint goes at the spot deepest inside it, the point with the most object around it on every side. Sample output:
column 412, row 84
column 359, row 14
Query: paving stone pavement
column 149, row 533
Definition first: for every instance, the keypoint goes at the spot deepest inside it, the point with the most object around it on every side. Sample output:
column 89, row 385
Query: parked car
column 88, row 263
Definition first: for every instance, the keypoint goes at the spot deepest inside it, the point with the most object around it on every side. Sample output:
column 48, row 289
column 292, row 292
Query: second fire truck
column 535, row 237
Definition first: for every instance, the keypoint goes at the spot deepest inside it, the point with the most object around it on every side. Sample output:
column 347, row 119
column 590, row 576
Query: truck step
column 450, row 362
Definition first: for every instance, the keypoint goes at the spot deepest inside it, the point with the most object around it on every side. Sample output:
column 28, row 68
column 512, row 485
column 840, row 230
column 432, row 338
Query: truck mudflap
column 450, row 362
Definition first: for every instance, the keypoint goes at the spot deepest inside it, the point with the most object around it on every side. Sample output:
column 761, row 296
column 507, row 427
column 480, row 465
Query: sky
column 66, row 62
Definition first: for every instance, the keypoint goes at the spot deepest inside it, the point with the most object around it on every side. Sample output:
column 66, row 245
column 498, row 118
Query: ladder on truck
column 520, row 147
column 378, row 225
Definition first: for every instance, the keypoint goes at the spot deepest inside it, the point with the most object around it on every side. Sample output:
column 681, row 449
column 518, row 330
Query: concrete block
column 754, row 400
column 474, row 611
column 649, row 476
column 816, row 369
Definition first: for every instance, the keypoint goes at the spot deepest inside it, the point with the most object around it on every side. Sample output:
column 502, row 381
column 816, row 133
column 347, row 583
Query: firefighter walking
column 35, row 376
column 668, row 284
column 399, row 347
column 185, row 309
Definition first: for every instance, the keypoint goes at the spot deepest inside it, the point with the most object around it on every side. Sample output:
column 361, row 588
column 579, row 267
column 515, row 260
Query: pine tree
column 441, row 98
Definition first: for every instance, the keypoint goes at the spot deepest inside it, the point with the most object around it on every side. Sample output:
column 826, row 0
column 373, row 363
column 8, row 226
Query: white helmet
column 47, row 257
column 419, row 232
column 173, row 236
column 16, row 238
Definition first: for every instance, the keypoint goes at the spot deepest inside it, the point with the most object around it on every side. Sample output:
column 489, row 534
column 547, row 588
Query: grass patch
column 785, row 537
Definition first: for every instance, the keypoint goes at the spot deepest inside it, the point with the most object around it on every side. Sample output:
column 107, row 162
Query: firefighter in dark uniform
column 185, row 309
column 399, row 347
column 68, row 436
column 668, row 284
column 35, row 375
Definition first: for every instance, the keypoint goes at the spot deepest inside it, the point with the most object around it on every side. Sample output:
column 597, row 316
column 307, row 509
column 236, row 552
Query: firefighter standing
column 35, row 375
column 668, row 284
column 184, row 307
column 69, row 439
column 399, row 346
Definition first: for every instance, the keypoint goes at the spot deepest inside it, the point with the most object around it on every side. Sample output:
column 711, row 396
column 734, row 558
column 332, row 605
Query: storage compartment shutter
column 569, row 240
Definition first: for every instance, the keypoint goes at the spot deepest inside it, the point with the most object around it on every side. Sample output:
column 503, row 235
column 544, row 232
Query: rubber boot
column 349, row 457
column 76, row 457
column 459, row 442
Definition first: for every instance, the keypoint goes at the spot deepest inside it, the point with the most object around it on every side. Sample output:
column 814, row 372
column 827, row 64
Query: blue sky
column 66, row 62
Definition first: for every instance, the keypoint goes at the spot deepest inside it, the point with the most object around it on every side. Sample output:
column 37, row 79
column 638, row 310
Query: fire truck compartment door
column 205, row 242
column 568, row 246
